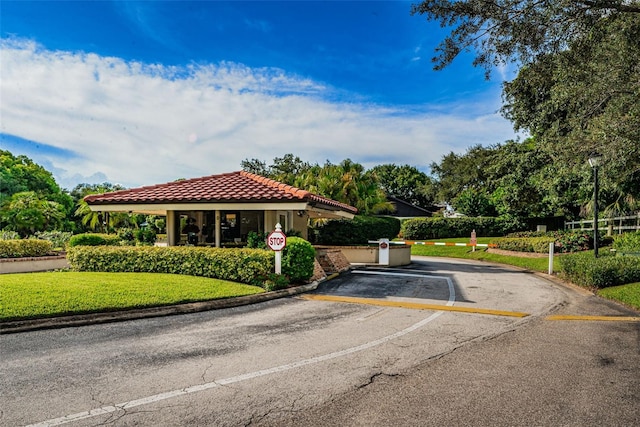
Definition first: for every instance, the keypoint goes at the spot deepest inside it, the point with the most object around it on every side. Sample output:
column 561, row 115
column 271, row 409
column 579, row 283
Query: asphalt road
column 439, row 342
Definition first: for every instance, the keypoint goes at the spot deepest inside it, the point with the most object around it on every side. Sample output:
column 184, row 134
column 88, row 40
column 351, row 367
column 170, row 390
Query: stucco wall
column 29, row 265
column 398, row 254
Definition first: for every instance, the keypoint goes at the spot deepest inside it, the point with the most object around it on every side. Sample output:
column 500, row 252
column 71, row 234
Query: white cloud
column 140, row 124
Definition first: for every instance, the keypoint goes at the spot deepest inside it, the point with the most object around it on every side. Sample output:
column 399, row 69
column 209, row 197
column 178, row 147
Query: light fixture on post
column 594, row 161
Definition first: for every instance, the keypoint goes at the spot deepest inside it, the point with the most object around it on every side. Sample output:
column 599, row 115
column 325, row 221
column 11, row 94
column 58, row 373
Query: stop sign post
column 276, row 241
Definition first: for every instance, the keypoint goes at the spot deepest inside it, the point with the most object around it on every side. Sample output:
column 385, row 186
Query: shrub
column 440, row 227
column 126, row 235
column 145, row 236
column 572, row 241
column 257, row 240
column 565, row 241
column 19, row 248
column 9, row 235
column 240, row 265
column 524, row 244
column 274, row 281
column 359, row 230
column 627, row 242
column 58, row 239
column 92, row 239
column 585, row 270
column 298, row 258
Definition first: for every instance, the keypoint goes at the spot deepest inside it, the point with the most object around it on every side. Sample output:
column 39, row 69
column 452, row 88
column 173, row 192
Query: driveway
column 317, row 359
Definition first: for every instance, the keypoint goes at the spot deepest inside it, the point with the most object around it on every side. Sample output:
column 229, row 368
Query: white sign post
column 276, row 241
column 474, row 240
column 383, row 251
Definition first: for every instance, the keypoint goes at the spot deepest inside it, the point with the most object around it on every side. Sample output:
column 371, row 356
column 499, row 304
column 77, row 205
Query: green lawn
column 35, row 295
column 535, row 264
column 628, row 294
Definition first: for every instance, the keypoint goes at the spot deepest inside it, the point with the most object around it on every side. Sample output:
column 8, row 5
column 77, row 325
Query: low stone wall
column 331, row 259
column 398, row 254
column 30, row 265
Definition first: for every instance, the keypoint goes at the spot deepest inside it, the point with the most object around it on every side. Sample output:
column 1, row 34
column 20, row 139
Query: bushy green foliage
column 93, row 239
column 359, row 230
column 298, row 259
column 565, row 241
column 59, row 239
column 145, row 236
column 573, row 241
column 9, row 235
column 19, row 248
column 524, row 244
column 273, row 282
column 127, row 235
column 585, row 270
column 627, row 242
column 440, row 227
column 239, row 265
column 257, row 240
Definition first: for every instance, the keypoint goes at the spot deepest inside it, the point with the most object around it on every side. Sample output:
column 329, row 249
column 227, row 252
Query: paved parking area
column 268, row 362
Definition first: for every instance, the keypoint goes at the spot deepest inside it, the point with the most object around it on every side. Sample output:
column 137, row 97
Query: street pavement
column 438, row 342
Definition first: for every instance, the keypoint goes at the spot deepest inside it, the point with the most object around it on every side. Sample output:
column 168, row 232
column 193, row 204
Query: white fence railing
column 617, row 225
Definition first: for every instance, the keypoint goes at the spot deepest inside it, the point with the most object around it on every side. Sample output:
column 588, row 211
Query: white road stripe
column 214, row 384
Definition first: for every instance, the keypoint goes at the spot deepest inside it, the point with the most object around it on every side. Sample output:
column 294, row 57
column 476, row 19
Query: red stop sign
column 276, row 240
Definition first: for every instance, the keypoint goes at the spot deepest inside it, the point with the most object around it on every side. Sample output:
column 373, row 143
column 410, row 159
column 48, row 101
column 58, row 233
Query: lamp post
column 594, row 162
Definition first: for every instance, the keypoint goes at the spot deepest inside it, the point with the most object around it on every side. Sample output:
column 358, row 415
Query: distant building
column 404, row 209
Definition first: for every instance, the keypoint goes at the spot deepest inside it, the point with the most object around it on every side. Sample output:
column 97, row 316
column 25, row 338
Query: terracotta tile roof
column 241, row 186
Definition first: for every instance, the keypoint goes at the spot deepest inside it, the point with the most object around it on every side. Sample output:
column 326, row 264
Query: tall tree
column 287, row 168
column 587, row 99
column 457, row 172
column 347, row 182
column 27, row 212
column 255, row 166
column 501, row 31
column 19, row 174
column 284, row 169
column 95, row 221
column 577, row 90
column 406, row 182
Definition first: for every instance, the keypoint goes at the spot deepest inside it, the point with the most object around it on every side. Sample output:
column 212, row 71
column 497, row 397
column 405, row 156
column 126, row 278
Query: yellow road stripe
column 595, row 318
column 411, row 305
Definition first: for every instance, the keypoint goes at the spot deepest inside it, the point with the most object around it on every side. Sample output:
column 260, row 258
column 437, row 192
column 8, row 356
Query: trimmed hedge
column 20, row 248
column 59, row 239
column 586, row 270
column 524, row 244
column 239, row 265
column 94, row 239
column 357, row 231
column 298, row 258
column 441, row 228
column 627, row 242
column 534, row 241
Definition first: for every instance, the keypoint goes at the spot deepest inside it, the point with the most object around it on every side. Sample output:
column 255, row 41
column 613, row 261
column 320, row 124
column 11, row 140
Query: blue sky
column 146, row 92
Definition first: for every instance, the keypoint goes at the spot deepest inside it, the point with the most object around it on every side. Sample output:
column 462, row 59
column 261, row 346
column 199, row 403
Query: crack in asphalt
column 375, row 376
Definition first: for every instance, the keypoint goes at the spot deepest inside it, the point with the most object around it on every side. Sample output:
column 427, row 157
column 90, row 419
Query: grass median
column 39, row 295
column 627, row 294
column 535, row 264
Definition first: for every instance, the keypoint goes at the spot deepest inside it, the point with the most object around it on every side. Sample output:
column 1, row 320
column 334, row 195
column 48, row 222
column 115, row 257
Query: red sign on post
column 276, row 240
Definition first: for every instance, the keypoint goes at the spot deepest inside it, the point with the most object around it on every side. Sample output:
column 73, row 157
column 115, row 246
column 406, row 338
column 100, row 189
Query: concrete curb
column 143, row 313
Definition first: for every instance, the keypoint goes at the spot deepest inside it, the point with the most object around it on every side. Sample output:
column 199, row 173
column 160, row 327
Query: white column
column 383, row 251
